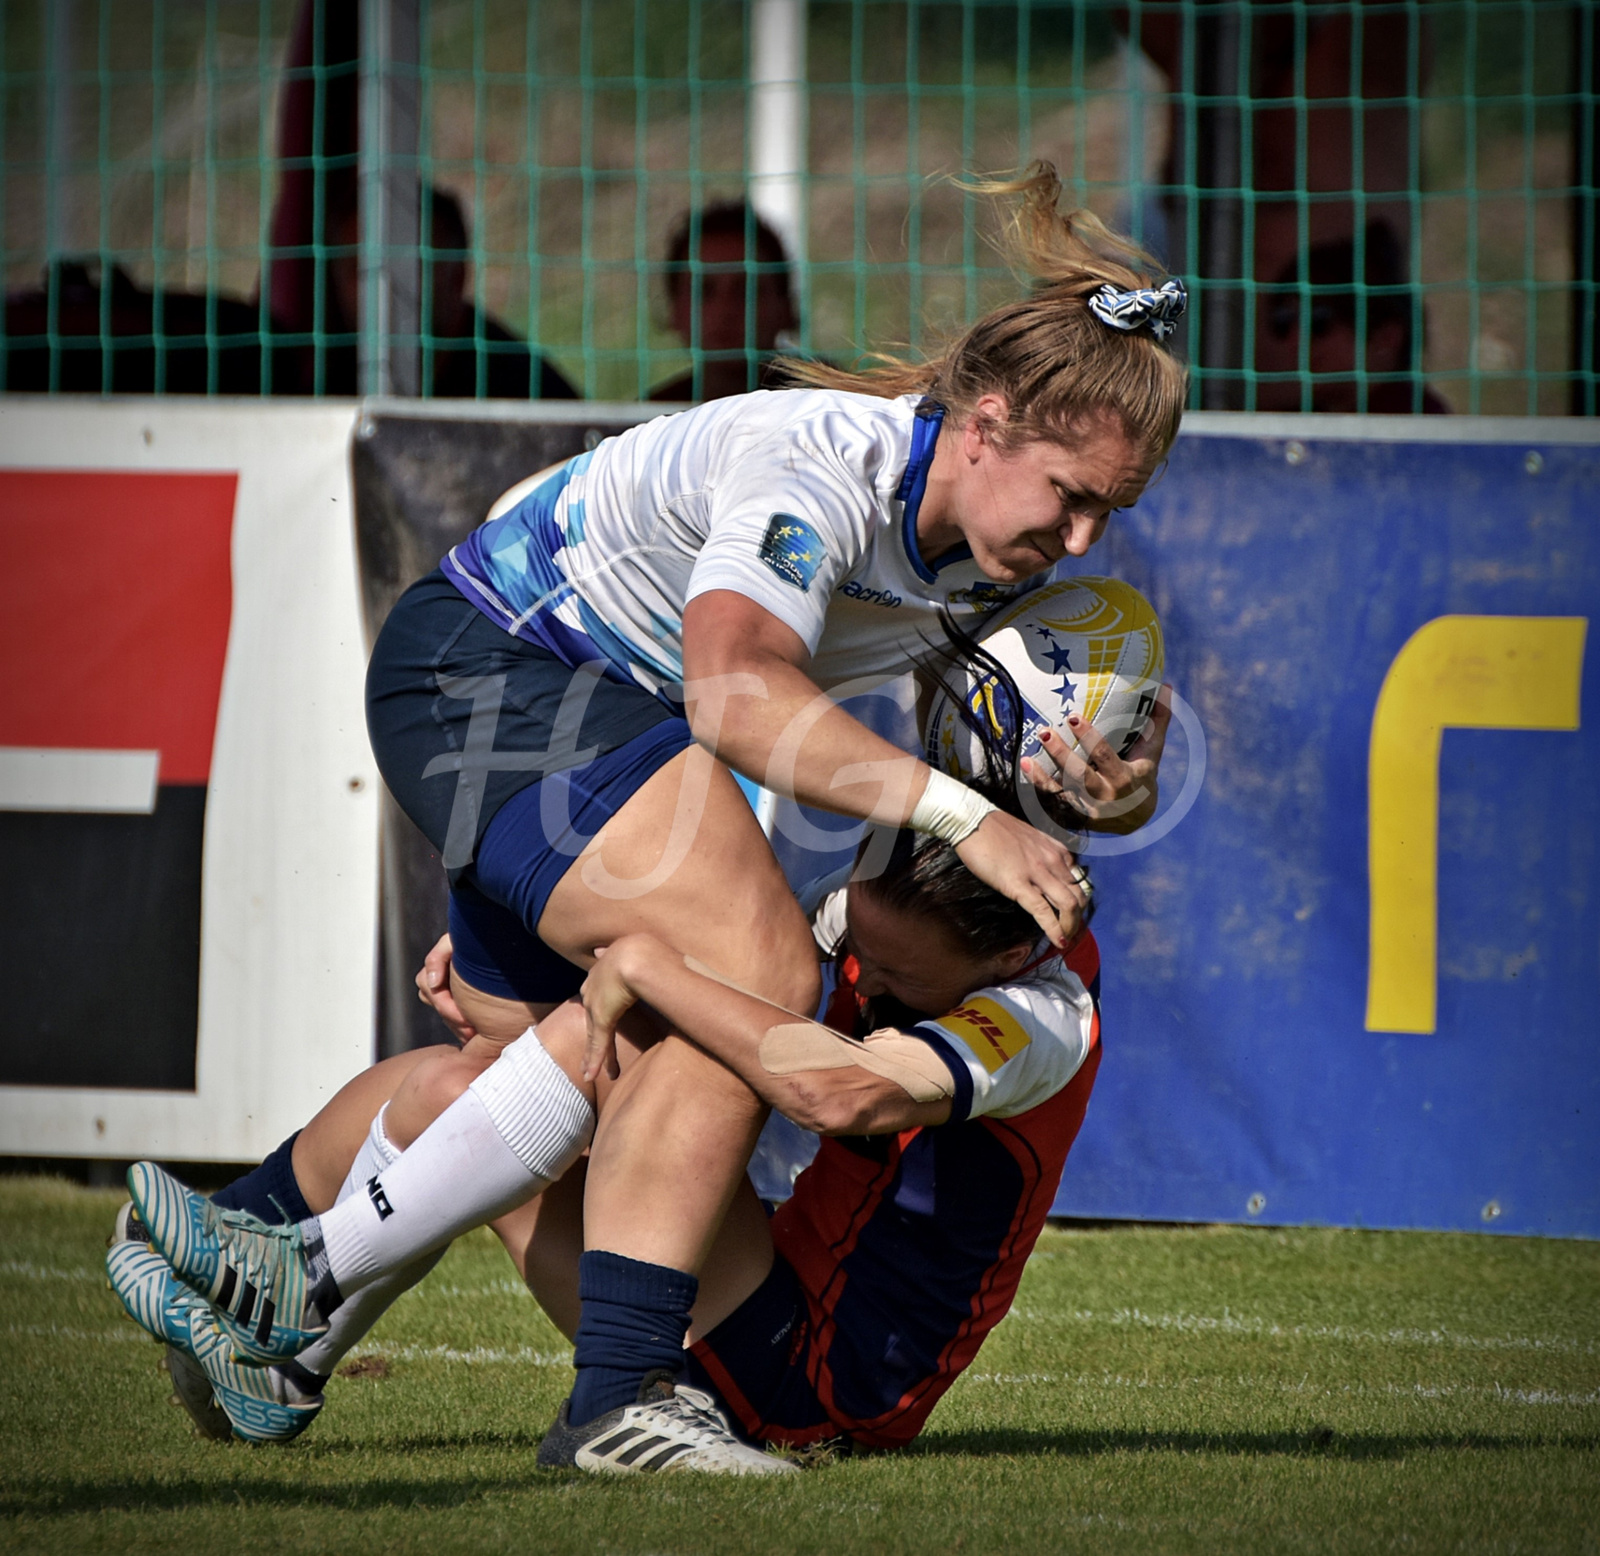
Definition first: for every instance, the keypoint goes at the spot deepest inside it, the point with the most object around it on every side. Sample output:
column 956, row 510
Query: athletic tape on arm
column 790, row 1047
column 906, row 1061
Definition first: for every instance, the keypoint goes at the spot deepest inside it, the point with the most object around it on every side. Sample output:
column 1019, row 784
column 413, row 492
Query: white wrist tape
column 948, row 809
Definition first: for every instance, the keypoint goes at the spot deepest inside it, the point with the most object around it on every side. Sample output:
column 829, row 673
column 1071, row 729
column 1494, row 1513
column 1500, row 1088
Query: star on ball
column 1060, row 658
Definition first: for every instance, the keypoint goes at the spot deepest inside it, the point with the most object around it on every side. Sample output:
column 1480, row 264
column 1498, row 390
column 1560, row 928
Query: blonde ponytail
column 1047, row 355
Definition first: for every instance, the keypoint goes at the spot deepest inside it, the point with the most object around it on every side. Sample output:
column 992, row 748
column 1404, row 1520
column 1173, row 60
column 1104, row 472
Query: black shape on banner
column 100, row 916
column 422, row 482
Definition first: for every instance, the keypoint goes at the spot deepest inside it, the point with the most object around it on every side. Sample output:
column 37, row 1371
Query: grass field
column 1156, row 1389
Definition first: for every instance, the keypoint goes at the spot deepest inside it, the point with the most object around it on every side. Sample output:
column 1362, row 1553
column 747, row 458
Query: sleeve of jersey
column 1016, row 1046
column 786, row 527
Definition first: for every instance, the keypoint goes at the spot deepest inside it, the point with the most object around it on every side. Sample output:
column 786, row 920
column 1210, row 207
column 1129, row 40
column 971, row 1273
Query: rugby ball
column 1090, row 646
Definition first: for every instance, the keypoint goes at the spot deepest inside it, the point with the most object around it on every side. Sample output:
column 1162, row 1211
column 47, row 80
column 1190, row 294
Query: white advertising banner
column 188, row 803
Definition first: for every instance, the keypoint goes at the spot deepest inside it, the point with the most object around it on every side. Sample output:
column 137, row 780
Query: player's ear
column 990, row 413
column 1009, row 963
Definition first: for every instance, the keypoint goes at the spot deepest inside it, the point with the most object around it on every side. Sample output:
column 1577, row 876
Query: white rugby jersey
column 1019, row 1042
column 804, row 501
column 1017, row 1045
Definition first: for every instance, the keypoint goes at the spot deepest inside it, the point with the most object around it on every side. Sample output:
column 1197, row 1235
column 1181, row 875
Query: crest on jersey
column 984, row 596
column 792, row 549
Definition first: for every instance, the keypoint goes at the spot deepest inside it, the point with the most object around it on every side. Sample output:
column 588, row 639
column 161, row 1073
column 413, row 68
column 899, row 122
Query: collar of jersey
column 924, row 439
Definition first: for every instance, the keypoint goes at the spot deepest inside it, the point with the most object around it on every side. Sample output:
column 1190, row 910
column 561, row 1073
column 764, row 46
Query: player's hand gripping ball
column 1085, row 646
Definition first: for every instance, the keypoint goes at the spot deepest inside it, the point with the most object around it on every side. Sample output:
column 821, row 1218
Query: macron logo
column 380, row 1200
column 887, row 597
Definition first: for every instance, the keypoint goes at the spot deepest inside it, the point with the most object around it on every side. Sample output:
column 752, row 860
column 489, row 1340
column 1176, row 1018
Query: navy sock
column 269, row 1191
column 634, row 1320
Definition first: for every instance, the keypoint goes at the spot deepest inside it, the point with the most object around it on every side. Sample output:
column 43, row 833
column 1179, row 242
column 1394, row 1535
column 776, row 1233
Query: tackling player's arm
column 768, row 1047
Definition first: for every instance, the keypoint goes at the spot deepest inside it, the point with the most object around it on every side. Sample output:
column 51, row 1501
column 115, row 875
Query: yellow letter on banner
column 1469, row 672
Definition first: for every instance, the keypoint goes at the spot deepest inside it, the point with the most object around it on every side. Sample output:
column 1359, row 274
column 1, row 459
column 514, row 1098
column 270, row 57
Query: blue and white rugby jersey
column 805, row 501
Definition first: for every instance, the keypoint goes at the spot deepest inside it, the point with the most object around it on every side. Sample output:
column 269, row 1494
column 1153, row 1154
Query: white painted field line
column 23, row 1269
column 1235, row 1323
column 479, row 1356
column 495, row 1288
column 62, row 1332
column 1109, row 1380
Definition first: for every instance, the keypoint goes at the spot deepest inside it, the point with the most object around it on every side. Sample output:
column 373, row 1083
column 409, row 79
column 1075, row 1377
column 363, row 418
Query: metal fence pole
column 1219, row 163
column 1585, row 212
column 391, row 215
column 61, row 228
column 778, row 118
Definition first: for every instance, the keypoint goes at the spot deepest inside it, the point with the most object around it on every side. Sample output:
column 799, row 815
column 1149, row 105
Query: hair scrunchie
column 1160, row 307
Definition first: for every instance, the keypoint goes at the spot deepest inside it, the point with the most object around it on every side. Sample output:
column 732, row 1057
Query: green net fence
column 1379, row 207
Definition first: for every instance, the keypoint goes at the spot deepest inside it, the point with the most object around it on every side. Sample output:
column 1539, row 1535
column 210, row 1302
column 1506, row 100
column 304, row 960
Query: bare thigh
column 685, row 860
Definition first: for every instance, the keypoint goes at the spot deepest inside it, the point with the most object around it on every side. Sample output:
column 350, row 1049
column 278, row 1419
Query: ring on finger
column 1079, row 876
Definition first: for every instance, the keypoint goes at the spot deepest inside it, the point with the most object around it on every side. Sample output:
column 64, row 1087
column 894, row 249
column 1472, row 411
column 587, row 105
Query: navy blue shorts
column 508, row 761
column 755, row 1361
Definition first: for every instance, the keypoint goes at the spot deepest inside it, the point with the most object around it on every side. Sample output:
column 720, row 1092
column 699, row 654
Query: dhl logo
column 989, row 1030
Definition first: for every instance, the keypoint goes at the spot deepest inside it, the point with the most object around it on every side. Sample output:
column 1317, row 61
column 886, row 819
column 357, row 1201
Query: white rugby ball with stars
column 1090, row 646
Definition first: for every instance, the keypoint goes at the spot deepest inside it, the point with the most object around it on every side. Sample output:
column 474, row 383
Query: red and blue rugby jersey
column 910, row 1247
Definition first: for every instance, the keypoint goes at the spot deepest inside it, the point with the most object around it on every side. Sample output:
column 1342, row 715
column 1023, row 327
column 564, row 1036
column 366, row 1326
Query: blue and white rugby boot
column 223, row 1399
column 254, row 1276
column 159, row 1307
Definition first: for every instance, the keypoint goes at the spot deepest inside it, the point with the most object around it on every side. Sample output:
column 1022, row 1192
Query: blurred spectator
column 739, row 326
column 313, row 278
column 205, row 343
column 89, row 327
column 1336, row 354
column 1329, row 106
column 508, row 365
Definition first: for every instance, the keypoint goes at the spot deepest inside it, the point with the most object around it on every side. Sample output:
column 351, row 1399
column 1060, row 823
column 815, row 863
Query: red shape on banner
column 116, row 590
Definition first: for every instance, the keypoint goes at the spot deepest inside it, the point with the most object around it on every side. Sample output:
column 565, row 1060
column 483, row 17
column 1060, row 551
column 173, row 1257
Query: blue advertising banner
column 1357, row 981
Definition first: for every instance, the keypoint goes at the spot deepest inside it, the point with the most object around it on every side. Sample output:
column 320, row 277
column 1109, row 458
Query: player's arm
column 751, row 701
column 796, row 1065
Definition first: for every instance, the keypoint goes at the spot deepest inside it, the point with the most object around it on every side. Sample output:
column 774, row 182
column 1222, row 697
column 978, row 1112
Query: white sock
column 353, row 1320
column 377, row 1152
column 515, row 1130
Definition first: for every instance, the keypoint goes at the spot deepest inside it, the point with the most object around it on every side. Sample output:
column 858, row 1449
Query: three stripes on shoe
column 630, row 1457
column 230, row 1286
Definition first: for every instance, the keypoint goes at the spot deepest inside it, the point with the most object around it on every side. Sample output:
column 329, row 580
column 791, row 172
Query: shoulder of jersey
column 998, row 1023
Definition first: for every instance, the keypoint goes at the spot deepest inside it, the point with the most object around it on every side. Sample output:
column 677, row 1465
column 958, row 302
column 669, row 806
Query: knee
column 428, row 1090
column 775, row 956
